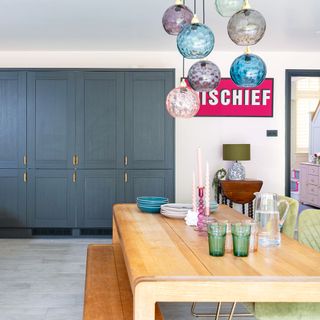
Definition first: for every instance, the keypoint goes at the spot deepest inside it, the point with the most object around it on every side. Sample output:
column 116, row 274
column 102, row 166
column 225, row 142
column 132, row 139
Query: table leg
column 143, row 304
column 250, row 209
column 115, row 236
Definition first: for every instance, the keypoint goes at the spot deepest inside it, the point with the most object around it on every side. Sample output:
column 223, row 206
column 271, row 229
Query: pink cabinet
column 310, row 184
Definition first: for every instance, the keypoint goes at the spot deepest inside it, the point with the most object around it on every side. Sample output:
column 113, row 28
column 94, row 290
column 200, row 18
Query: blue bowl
column 149, row 209
column 151, row 205
column 153, row 199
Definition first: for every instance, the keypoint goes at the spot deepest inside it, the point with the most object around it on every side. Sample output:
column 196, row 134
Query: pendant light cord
column 195, row 7
column 204, row 12
column 183, row 59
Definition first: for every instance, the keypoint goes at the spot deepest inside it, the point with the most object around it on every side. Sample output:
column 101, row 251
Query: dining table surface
column 168, row 260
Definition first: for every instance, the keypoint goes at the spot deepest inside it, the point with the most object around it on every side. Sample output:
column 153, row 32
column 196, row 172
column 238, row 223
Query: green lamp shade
column 236, row 152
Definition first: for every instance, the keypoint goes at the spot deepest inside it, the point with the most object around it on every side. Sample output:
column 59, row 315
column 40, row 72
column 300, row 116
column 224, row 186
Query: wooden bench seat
column 108, row 293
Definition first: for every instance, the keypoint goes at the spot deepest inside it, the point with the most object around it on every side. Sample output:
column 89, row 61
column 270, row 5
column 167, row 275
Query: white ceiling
column 127, row 25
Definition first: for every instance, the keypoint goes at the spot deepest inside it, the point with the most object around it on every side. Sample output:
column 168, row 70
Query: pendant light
column 204, row 75
column 195, row 41
column 248, row 70
column 227, row 8
column 183, row 102
column 246, row 27
column 176, row 17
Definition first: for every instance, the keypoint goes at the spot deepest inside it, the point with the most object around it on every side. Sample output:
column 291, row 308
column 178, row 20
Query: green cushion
column 309, row 229
column 287, row 311
column 291, row 220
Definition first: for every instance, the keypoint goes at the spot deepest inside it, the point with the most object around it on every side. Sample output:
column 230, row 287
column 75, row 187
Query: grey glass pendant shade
column 204, row 76
column 246, row 27
column 227, row 8
column 175, row 18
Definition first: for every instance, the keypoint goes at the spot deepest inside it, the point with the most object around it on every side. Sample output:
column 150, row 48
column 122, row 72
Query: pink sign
column 229, row 100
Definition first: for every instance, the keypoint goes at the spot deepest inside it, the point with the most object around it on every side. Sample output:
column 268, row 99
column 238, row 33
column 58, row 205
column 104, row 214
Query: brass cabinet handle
column 74, row 177
column 125, row 160
column 25, row 160
column 75, row 159
column 25, row 177
column 125, row 177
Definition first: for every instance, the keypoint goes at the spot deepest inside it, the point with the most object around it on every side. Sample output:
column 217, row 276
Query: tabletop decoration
column 191, row 218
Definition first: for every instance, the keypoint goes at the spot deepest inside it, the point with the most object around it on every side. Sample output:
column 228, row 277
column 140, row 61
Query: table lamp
column 236, row 152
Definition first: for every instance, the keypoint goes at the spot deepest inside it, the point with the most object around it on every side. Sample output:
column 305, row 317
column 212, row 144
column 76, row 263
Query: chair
column 308, row 234
column 309, row 228
column 289, row 225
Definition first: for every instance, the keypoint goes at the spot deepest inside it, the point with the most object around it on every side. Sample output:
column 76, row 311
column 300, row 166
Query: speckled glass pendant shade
column 195, row 41
column 204, row 76
column 227, row 8
column 246, row 27
column 176, row 17
column 248, row 70
column 183, row 102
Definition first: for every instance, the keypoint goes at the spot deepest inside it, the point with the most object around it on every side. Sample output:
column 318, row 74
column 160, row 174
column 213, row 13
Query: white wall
column 267, row 154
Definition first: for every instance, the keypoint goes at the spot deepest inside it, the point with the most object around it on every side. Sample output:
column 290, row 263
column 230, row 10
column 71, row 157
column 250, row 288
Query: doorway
column 302, row 104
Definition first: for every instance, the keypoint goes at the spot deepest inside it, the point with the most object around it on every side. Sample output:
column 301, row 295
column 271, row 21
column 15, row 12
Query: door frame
column 290, row 73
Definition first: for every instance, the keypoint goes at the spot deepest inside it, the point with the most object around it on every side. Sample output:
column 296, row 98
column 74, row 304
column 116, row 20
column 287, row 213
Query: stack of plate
column 151, row 204
column 175, row 210
column 180, row 210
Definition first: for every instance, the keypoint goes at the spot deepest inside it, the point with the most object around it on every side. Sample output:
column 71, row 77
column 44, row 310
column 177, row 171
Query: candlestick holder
column 201, row 224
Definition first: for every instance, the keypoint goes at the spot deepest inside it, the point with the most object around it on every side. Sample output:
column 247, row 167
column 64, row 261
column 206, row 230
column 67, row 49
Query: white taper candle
column 207, row 190
column 194, row 193
column 200, row 183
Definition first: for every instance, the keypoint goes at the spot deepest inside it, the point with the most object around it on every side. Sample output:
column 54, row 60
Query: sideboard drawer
column 313, row 199
column 313, row 190
column 313, row 170
column 313, row 179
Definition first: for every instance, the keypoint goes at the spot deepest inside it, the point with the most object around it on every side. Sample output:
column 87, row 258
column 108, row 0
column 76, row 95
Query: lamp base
column 237, row 171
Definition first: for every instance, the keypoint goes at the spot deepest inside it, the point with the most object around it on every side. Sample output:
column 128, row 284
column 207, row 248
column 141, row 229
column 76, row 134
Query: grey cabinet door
column 97, row 191
column 51, row 119
column 149, row 183
column 100, row 119
column 149, row 130
column 12, row 119
column 12, row 199
column 51, row 199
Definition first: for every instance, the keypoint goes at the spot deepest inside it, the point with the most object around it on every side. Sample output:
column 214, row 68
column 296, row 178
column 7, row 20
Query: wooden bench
column 108, row 293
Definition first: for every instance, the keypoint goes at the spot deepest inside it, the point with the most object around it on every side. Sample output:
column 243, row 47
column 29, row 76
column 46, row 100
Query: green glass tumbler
column 217, row 238
column 241, row 239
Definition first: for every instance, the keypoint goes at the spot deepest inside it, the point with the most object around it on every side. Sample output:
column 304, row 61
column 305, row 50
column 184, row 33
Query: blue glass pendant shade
column 175, row 18
column 227, row 8
column 195, row 41
column 248, row 71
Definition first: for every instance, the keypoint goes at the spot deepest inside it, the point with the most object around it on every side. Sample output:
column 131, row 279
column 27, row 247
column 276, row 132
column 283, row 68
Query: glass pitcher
column 268, row 218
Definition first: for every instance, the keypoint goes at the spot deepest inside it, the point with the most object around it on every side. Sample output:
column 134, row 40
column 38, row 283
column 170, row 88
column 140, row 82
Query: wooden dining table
column 168, row 261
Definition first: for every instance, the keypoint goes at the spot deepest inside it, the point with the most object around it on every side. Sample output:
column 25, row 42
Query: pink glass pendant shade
column 176, row 17
column 183, row 102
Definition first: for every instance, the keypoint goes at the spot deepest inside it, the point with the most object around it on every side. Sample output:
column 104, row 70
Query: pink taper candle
column 194, row 193
column 200, row 183
column 207, row 191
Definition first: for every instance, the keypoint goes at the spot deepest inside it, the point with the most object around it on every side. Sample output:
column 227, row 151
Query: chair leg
column 217, row 315
column 232, row 310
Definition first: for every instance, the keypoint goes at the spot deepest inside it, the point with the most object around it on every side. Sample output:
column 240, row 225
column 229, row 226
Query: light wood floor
column 43, row 279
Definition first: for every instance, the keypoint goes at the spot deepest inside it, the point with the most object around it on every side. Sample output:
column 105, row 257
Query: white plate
column 173, row 216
